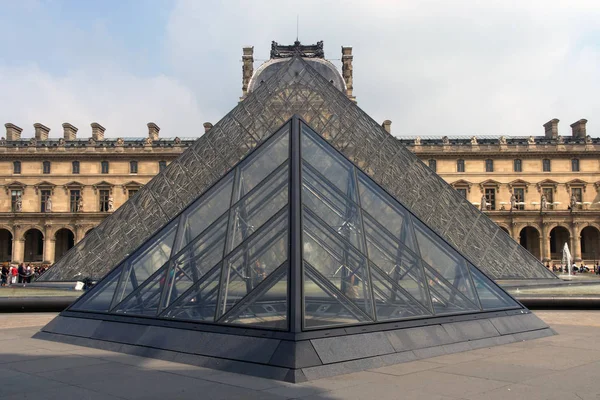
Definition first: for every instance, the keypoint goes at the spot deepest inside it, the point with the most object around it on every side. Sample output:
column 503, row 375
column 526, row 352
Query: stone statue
column 3, row 141
column 531, row 140
column 483, row 205
column 560, row 139
column 80, row 204
column 177, row 140
column 502, row 139
column 120, row 142
column 91, row 142
column 573, row 202
column 445, row 140
column 49, row 204
column 147, row 141
column 544, row 203
column 513, row 202
column 418, row 141
column 61, row 142
column 473, row 140
column 33, row 141
column 18, row 204
column 111, row 204
column 588, row 139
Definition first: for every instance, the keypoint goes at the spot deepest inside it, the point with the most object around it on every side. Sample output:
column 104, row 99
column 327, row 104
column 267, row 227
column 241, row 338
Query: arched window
column 161, row 166
column 489, row 165
column 518, row 165
column 460, row 165
column 104, row 167
column 433, row 165
column 75, row 168
column 16, row 167
column 46, row 167
column 133, row 167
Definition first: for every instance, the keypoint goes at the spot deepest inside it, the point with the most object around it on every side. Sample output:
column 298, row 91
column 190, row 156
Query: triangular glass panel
column 337, row 261
column 99, row 298
column 251, row 212
column 266, row 306
column 253, row 261
column 391, row 301
column 199, row 303
column 445, row 260
column 146, row 299
column 446, row 299
column 490, row 295
column 325, row 306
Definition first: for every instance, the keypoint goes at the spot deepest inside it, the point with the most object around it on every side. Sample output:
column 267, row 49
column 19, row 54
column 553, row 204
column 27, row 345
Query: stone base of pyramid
column 303, row 357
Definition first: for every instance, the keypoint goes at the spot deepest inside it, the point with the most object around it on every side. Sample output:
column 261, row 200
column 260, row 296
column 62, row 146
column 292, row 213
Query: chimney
column 13, row 132
column 387, row 125
column 41, row 131
column 97, row 131
column 207, row 126
column 247, row 68
column 551, row 129
column 347, row 70
column 69, row 131
column 153, row 130
column 579, row 129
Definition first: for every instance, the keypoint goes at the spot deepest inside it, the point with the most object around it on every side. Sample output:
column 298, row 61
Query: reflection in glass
column 250, row 213
column 444, row 259
column 145, row 300
column 322, row 157
column 325, row 306
column 444, row 298
column 339, row 212
column 253, row 261
column 337, row 261
column 490, row 296
column 265, row 307
column 265, row 160
column 100, row 296
column 204, row 211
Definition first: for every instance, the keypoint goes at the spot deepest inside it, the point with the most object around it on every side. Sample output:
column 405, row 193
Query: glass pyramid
column 295, row 237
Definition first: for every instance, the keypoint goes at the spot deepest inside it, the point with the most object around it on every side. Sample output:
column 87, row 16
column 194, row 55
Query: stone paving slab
column 557, row 367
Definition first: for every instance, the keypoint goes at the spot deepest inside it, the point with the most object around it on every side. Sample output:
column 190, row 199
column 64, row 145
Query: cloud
column 432, row 67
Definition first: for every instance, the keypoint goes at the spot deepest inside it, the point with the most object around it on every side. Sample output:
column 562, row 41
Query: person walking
column 14, row 272
column 21, row 271
column 4, row 275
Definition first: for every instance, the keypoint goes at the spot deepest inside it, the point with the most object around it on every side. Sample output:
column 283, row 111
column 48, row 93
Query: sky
column 433, row 67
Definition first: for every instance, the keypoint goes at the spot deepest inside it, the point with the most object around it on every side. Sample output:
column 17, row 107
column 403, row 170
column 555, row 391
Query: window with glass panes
column 131, row 192
column 15, row 196
column 575, row 165
column 520, row 197
column 44, row 194
column 460, row 166
column 489, row 165
column 549, row 193
column 578, row 193
column 74, row 196
column 433, row 165
column 490, row 198
column 133, row 167
column 46, row 167
column 104, row 167
column 518, row 167
column 546, row 165
column 462, row 191
column 103, row 195
column 161, row 166
column 16, row 167
column 75, row 167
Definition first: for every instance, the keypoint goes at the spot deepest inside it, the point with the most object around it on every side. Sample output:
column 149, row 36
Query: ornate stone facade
column 56, row 190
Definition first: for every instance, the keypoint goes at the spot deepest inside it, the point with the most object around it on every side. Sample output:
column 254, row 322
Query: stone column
column 545, row 238
column 576, row 243
column 49, row 245
column 347, row 71
column 18, row 253
column 79, row 233
column 247, row 68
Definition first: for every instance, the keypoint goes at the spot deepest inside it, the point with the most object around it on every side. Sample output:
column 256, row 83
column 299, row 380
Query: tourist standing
column 5, row 275
column 14, row 272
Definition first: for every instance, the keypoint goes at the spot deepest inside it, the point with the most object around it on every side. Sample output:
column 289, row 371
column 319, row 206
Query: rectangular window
column 462, row 191
column 44, row 194
column 433, row 165
column 104, row 195
column 520, row 197
column 104, row 167
column 460, row 166
column 577, row 193
column 75, row 167
column 575, row 165
column 549, row 193
column 17, row 167
column 161, row 166
column 546, row 165
column 75, row 195
column 16, row 201
column 489, row 165
column 490, row 198
column 518, row 167
column 132, row 192
column 46, row 167
column 133, row 167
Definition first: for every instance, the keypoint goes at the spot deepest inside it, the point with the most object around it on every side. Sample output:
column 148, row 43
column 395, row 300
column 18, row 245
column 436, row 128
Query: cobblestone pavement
column 562, row 367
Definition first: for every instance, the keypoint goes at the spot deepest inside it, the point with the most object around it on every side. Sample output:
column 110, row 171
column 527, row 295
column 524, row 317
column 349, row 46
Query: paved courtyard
column 561, row 367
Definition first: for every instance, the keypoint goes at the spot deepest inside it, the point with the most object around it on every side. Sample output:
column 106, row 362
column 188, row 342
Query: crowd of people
column 22, row 274
column 575, row 268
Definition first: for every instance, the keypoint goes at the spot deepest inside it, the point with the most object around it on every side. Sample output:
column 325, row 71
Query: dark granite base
column 289, row 360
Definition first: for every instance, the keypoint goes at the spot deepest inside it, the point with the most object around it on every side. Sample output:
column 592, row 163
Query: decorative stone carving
column 531, row 140
column 61, row 142
column 177, row 140
column 544, row 203
column 80, row 204
column 513, row 202
column 49, row 204
column 483, row 205
column 148, row 141
column 473, row 140
column 18, row 204
column 33, row 141
column 111, row 204
column 120, row 142
column 573, row 202
column 588, row 139
column 560, row 140
column 91, row 142
column 445, row 140
column 502, row 139
column 418, row 141
column 2, row 141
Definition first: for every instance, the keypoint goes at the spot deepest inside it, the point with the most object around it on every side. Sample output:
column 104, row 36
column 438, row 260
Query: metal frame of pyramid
column 297, row 216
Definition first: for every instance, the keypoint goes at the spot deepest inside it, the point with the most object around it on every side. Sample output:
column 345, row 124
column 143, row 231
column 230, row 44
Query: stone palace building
column 56, row 189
